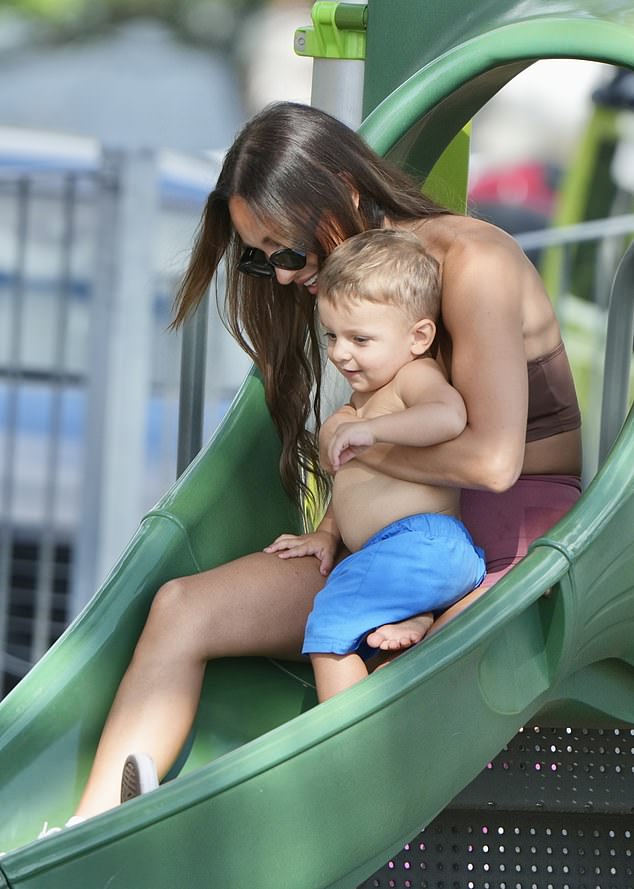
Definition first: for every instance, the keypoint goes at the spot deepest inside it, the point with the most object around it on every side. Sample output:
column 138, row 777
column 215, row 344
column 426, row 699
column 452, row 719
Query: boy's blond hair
column 383, row 266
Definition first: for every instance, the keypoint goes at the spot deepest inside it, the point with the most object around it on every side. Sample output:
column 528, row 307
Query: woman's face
column 254, row 233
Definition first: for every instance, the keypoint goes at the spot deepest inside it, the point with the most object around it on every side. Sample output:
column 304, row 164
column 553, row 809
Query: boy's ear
column 423, row 333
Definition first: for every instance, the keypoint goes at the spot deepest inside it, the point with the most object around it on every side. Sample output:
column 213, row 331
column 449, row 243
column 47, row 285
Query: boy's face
column 367, row 342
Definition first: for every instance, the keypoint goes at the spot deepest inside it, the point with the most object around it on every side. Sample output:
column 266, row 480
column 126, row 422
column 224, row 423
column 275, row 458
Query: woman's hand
column 320, row 544
column 345, row 414
column 348, row 441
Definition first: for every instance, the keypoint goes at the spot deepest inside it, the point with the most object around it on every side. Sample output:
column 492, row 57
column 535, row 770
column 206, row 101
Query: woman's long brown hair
column 300, row 171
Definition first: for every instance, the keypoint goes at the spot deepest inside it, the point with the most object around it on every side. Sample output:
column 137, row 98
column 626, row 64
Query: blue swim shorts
column 420, row 563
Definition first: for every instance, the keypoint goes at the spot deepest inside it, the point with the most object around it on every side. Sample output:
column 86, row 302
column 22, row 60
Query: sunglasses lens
column 288, row 259
column 254, row 263
column 256, row 271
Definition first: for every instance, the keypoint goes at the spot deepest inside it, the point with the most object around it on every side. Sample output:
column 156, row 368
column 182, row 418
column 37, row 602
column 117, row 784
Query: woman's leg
column 336, row 672
column 256, row 605
column 459, row 606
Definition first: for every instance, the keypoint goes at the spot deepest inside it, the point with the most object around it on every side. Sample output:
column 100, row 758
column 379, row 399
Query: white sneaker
column 138, row 776
column 49, row 831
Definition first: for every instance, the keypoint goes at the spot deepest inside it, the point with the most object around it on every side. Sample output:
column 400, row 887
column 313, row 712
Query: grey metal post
column 119, row 385
column 7, row 488
column 337, row 84
column 618, row 353
column 191, row 402
column 45, row 578
column 337, row 87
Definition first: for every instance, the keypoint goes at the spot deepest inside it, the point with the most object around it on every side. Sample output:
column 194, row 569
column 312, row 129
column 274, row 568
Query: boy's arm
column 434, row 412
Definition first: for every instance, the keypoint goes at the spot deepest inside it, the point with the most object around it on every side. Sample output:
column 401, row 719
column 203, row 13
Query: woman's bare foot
column 398, row 637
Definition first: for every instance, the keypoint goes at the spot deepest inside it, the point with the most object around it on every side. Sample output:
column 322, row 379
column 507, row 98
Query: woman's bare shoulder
column 459, row 239
column 477, row 257
column 486, row 273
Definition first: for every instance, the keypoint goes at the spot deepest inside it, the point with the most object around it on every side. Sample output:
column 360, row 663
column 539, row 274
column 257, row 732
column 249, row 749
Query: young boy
column 378, row 301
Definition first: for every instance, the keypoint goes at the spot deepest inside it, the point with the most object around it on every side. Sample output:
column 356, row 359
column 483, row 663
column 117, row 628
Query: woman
column 295, row 183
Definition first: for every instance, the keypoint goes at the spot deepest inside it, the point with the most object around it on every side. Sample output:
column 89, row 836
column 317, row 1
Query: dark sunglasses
column 255, row 263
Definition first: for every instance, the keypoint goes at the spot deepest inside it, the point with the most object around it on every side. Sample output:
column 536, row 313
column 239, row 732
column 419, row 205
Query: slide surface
column 275, row 792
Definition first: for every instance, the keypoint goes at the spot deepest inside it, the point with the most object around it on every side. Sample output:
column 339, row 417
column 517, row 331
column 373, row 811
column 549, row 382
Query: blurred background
column 114, row 115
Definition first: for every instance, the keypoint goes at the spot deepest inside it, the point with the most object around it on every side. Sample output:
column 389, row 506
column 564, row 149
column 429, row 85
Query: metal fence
column 44, row 292
column 90, row 252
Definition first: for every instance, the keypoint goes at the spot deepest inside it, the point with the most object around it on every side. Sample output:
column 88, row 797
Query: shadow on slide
column 274, row 792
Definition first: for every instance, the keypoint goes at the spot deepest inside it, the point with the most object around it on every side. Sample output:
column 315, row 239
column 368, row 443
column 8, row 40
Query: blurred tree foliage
column 201, row 21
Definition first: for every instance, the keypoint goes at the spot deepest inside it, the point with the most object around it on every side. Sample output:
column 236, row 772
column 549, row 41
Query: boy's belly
column 365, row 501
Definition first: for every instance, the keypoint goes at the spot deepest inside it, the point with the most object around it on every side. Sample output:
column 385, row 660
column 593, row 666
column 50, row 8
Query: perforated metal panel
column 555, row 810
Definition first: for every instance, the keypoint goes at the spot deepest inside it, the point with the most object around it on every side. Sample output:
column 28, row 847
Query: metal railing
column 41, row 290
column 89, row 258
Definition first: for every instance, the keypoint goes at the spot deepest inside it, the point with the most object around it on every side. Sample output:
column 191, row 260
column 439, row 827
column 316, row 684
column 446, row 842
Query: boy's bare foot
column 397, row 637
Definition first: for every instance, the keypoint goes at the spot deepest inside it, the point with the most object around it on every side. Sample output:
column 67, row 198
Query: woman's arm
column 483, row 287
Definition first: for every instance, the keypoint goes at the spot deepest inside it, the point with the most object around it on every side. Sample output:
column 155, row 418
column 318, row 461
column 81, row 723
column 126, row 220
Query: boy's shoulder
column 424, row 367
column 418, row 377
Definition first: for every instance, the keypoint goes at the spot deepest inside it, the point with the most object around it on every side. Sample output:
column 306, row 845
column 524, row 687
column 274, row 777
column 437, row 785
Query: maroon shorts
column 505, row 524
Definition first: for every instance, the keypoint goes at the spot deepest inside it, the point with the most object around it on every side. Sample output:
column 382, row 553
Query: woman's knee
column 169, row 635
column 174, row 611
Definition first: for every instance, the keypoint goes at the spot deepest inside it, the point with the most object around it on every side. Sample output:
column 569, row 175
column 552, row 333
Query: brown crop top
column 552, row 400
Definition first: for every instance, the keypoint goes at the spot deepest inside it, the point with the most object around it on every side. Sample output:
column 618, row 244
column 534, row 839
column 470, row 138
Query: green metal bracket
column 338, row 32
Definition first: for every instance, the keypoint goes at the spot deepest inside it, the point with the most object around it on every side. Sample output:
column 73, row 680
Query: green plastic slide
column 274, row 792
column 324, row 798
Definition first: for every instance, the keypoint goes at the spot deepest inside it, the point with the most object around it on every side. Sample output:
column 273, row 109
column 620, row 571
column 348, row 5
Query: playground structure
column 325, row 798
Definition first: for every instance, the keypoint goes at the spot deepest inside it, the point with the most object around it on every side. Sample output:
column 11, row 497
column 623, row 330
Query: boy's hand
column 320, row 544
column 349, row 440
column 345, row 414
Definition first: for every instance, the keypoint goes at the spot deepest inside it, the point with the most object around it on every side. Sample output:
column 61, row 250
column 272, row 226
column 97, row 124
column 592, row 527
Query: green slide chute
column 273, row 791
